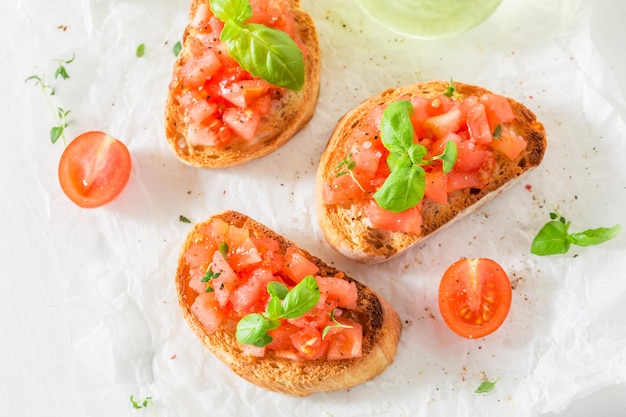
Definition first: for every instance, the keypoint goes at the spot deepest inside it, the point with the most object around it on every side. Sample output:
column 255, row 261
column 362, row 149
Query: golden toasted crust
column 287, row 117
column 346, row 230
column 381, row 332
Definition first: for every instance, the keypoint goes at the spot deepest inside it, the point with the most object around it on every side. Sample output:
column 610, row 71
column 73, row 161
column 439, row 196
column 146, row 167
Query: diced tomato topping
column 436, row 182
column 346, row 344
column 408, row 221
column 212, row 86
column 245, row 271
column 440, row 125
column 509, row 144
column 469, row 122
column 208, row 311
column 337, row 292
column 297, row 266
column 498, row 110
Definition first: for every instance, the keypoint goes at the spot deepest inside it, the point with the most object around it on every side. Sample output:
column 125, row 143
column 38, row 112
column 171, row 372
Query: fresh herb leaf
column 261, row 50
column 451, row 91
column 554, row 237
column 140, row 51
column 138, row 404
column 486, row 386
column 497, row 132
column 252, row 329
column 177, row 48
column 236, row 10
column 333, row 326
column 209, row 275
column 183, row 219
column 448, row 157
column 350, row 164
column 405, row 185
column 303, row 297
column 278, row 290
column 223, row 248
column 61, row 71
column 60, row 115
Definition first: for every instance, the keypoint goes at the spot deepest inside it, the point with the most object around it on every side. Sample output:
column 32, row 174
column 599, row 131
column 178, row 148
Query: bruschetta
column 239, row 94
column 278, row 316
column 410, row 161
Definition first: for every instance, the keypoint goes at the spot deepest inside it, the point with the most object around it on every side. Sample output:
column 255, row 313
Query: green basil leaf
column 252, row 330
column 237, row 11
column 417, row 153
column 402, row 190
column 398, row 160
column 302, row 298
column 396, row 129
column 55, row 133
column 274, row 308
column 448, row 157
column 486, row 386
column 595, row 236
column 265, row 52
column 551, row 239
column 277, row 289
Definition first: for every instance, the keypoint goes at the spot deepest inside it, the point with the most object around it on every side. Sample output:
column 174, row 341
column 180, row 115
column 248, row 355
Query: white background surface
column 87, row 313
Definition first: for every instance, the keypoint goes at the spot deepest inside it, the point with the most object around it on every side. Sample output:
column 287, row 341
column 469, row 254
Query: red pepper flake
column 173, row 356
column 528, row 187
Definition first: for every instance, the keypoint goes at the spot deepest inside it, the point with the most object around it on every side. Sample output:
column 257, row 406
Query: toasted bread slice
column 289, row 113
column 380, row 322
column 348, row 232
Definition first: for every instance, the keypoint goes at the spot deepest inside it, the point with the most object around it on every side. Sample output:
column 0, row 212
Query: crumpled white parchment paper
column 565, row 333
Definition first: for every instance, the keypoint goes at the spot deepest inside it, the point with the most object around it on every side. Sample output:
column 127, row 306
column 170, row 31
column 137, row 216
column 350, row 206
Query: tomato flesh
column 94, row 169
column 245, row 270
column 474, row 297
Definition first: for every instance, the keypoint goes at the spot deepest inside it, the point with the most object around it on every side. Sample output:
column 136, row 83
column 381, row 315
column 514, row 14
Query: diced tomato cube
column 252, row 292
column 341, row 189
column 509, row 144
column 195, row 72
column 281, row 336
column 477, row 123
column 213, row 134
column 347, row 343
column 200, row 253
column 336, row 292
column 297, row 266
column 458, row 180
column 199, row 110
column 251, row 350
column 439, row 105
column 408, row 221
column 420, row 114
column 206, row 308
column 498, row 109
column 242, row 93
column 366, row 157
column 442, row 124
column 243, row 122
column 226, row 282
column 309, row 343
column 242, row 251
column 436, row 183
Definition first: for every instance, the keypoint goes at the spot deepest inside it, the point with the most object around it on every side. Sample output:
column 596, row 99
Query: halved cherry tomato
column 474, row 297
column 94, row 169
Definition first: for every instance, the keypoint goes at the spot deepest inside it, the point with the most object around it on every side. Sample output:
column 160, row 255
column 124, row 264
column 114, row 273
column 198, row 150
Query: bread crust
column 381, row 331
column 287, row 117
column 347, row 231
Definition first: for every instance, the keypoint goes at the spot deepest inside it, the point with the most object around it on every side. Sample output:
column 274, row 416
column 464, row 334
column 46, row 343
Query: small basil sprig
column 554, row 237
column 283, row 304
column 405, row 185
column 486, row 386
column 261, row 50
